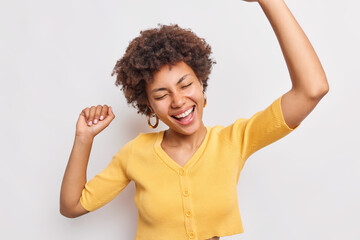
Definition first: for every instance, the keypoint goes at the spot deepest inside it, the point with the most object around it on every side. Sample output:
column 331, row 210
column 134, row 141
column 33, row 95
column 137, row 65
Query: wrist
column 84, row 138
column 262, row 2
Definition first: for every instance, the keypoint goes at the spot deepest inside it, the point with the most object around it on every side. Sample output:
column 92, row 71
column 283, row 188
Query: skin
column 309, row 86
column 173, row 91
column 91, row 122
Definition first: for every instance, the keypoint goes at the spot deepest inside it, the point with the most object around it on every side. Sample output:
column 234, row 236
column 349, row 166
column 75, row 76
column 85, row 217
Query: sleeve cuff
column 282, row 115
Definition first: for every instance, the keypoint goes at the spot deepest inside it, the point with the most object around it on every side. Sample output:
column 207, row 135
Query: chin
column 187, row 130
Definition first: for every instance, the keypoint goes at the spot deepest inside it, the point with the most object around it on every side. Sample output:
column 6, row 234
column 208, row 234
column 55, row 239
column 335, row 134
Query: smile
column 186, row 117
column 184, row 114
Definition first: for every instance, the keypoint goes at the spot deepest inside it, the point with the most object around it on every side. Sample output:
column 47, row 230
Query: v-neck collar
column 170, row 162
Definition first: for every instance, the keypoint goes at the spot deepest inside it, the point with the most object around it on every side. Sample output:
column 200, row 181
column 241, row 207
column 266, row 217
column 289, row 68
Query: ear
column 202, row 85
column 148, row 105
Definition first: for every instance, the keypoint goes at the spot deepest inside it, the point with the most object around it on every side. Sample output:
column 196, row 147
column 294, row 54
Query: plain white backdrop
column 56, row 58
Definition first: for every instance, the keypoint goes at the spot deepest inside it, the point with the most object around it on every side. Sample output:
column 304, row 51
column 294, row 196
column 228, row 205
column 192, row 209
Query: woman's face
column 176, row 96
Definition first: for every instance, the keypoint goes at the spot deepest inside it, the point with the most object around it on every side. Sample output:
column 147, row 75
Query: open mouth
column 185, row 116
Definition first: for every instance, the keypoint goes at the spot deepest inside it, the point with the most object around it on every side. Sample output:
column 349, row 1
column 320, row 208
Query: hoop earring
column 149, row 122
column 205, row 100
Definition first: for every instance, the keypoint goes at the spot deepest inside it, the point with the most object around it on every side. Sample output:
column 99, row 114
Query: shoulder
column 229, row 132
column 145, row 138
column 140, row 144
column 141, row 141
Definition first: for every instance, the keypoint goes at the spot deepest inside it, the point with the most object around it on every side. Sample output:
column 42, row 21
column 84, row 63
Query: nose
column 178, row 100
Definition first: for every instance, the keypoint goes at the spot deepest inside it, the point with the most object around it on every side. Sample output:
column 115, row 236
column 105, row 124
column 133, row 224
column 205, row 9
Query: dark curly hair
column 146, row 54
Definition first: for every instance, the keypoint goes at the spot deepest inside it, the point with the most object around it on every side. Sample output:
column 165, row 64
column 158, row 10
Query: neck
column 175, row 139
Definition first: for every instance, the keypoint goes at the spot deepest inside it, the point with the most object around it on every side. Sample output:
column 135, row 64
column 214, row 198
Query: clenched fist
column 93, row 120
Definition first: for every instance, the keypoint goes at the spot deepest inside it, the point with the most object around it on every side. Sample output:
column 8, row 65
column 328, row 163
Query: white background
column 56, row 58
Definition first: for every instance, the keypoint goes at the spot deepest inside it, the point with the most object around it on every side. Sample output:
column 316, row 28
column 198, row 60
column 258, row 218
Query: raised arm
column 309, row 83
column 91, row 121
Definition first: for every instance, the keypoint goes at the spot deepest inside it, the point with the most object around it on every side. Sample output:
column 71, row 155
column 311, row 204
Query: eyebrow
column 180, row 80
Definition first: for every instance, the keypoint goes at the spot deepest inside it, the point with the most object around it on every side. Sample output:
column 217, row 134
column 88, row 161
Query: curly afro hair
column 146, row 54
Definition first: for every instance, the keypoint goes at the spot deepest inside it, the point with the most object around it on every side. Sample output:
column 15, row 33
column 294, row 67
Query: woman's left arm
column 309, row 83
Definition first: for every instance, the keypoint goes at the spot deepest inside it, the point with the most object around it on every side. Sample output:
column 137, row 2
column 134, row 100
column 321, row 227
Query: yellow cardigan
column 197, row 201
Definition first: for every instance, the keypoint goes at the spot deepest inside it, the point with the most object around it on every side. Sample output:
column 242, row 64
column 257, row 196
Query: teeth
column 184, row 114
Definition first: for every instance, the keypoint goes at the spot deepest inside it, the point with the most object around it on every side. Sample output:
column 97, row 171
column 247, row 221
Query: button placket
column 187, row 206
column 188, row 213
column 192, row 235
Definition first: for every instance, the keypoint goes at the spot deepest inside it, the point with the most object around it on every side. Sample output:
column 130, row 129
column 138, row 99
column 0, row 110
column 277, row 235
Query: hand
column 93, row 120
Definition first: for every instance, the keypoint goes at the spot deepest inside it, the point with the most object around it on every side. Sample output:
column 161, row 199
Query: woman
column 186, row 176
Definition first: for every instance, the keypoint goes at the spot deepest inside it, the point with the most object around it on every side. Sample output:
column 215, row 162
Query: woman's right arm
column 91, row 122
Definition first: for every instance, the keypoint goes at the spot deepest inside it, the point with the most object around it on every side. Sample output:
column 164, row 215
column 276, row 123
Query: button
column 186, row 193
column 192, row 235
column 181, row 172
column 188, row 213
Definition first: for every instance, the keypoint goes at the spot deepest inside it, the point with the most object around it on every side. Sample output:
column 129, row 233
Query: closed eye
column 159, row 98
column 186, row 85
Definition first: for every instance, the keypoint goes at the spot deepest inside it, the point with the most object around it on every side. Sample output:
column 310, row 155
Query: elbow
column 67, row 213
column 325, row 88
column 313, row 91
column 319, row 91
column 65, row 208
column 72, row 210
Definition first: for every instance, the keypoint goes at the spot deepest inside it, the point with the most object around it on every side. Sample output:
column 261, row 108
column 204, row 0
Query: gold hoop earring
column 205, row 100
column 149, row 122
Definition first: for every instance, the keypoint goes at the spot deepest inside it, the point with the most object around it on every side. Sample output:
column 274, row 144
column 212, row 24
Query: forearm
column 306, row 72
column 75, row 174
